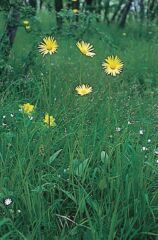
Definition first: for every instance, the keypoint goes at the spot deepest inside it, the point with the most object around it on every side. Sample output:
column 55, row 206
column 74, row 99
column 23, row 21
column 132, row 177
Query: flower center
column 113, row 66
column 83, row 91
column 84, row 50
column 49, row 47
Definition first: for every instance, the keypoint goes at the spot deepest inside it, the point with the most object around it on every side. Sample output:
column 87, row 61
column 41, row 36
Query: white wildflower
column 118, row 129
column 8, row 201
column 156, row 151
column 144, row 148
column 141, row 132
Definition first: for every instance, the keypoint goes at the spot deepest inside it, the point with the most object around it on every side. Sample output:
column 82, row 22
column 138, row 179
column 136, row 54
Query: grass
column 94, row 176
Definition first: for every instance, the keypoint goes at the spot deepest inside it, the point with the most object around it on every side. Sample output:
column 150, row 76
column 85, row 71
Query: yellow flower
column 86, row 48
column 83, row 90
column 28, row 27
column 49, row 45
column 112, row 65
column 49, row 120
column 75, row 10
column 26, row 23
column 27, row 108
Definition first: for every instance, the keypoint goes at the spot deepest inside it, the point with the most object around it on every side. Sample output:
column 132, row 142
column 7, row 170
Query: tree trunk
column 33, row 3
column 152, row 9
column 151, row 4
column 142, row 12
column 8, row 37
column 41, row 3
column 124, row 13
column 117, row 10
column 69, row 4
column 89, row 5
column 154, row 12
column 107, row 5
column 58, row 8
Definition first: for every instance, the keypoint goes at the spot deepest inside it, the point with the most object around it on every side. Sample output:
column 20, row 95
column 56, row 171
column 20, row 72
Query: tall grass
column 94, row 176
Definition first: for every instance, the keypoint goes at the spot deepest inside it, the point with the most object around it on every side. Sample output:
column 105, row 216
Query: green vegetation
column 94, row 175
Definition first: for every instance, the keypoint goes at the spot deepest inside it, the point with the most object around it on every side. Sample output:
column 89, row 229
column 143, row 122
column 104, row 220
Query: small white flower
column 157, row 161
column 129, row 123
column 156, row 151
column 12, row 115
column 4, row 124
column 65, row 170
column 118, row 129
column 31, row 118
column 20, row 110
column 149, row 140
column 4, row 116
column 8, row 201
column 144, row 149
column 141, row 132
column 18, row 211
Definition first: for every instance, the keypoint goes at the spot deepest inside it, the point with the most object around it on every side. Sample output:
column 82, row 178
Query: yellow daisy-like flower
column 83, row 90
column 28, row 27
column 112, row 65
column 26, row 23
column 49, row 45
column 27, row 108
column 75, row 10
column 86, row 48
column 49, row 120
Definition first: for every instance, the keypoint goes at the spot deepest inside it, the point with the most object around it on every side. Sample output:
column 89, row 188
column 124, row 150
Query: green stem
column 80, row 72
column 44, row 92
column 109, row 105
column 49, row 84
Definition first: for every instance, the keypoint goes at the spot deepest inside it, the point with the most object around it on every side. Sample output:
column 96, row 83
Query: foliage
column 94, row 175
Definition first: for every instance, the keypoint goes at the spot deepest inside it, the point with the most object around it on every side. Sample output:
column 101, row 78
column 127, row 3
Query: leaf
column 80, row 169
column 103, row 156
column 54, row 156
column 102, row 184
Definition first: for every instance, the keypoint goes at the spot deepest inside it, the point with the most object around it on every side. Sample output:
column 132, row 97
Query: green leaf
column 81, row 168
column 54, row 156
column 102, row 184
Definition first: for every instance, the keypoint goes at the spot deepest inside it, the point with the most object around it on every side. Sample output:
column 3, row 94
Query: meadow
column 93, row 174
